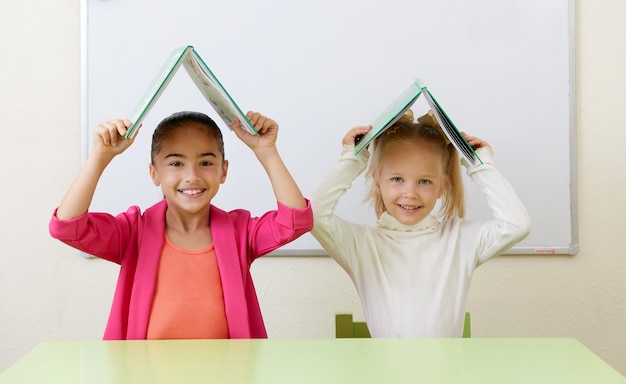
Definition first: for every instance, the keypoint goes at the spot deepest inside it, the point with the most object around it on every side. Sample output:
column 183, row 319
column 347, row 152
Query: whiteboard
column 502, row 70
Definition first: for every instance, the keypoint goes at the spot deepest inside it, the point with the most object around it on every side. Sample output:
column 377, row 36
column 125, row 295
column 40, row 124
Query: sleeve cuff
column 485, row 154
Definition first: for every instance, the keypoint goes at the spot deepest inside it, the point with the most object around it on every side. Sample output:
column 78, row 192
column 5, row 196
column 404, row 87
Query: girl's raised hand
column 108, row 137
column 350, row 137
column 475, row 142
column 267, row 128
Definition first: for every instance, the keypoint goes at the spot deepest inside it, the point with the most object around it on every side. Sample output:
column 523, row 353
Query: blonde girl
column 413, row 270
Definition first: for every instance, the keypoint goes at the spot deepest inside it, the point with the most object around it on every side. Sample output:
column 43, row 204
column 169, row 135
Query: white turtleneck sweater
column 413, row 280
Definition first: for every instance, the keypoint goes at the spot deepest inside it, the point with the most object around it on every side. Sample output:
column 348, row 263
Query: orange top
column 188, row 301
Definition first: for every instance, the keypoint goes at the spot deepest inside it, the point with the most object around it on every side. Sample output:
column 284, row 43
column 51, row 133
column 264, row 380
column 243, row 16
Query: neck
column 185, row 222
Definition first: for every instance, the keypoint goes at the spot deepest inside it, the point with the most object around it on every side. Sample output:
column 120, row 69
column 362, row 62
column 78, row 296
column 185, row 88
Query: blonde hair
column 424, row 130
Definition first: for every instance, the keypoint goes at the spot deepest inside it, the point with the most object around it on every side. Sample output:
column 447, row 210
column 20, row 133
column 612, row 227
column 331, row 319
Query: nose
column 410, row 190
column 191, row 173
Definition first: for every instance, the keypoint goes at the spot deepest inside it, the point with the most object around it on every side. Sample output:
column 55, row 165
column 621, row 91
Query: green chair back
column 345, row 327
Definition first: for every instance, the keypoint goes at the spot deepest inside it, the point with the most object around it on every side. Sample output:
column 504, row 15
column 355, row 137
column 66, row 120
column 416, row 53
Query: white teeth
column 191, row 191
column 408, row 207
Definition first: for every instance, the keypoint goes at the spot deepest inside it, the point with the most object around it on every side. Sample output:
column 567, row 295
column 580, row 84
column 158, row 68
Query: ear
column 443, row 187
column 154, row 175
column 376, row 182
column 224, row 171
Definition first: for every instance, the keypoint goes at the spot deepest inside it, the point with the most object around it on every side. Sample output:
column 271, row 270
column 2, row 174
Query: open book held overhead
column 435, row 117
column 204, row 79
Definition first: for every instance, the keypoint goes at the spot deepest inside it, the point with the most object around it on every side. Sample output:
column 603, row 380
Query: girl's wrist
column 100, row 159
column 266, row 153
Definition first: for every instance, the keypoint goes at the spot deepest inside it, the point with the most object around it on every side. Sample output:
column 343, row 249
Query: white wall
column 48, row 292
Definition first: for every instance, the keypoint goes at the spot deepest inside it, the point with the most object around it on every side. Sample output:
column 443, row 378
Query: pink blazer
column 134, row 241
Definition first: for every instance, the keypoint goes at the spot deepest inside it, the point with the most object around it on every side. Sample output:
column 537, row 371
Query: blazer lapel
column 232, row 272
column 150, row 246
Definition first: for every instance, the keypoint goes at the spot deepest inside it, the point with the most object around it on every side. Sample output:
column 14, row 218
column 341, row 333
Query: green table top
column 475, row 360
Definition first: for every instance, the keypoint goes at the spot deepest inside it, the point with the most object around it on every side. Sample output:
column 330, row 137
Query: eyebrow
column 207, row 154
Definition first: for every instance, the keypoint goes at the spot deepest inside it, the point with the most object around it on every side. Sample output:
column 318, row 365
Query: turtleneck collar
column 428, row 224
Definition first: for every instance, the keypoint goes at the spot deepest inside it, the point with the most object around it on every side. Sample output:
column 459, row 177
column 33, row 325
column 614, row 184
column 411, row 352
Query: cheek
column 437, row 193
column 388, row 193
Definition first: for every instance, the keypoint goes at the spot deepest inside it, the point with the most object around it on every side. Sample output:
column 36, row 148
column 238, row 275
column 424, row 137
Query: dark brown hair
column 182, row 119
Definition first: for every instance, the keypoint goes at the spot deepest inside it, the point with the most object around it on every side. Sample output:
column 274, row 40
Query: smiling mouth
column 191, row 192
column 409, row 207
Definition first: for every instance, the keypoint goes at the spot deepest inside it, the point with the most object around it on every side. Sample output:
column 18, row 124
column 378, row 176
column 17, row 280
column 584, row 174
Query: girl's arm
column 285, row 188
column 108, row 139
column 511, row 222
column 339, row 237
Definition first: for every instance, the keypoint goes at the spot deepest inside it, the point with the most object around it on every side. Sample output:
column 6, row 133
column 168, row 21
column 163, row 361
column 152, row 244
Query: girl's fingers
column 260, row 122
column 261, row 125
column 351, row 136
column 475, row 142
column 253, row 117
column 110, row 132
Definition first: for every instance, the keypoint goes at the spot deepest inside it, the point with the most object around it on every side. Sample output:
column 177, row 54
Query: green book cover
column 203, row 78
column 399, row 107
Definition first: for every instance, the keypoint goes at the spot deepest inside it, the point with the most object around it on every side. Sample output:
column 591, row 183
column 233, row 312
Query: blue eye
column 396, row 179
column 425, row 182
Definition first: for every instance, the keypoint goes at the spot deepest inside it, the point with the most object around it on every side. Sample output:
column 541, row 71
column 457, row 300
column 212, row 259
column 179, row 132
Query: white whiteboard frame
column 571, row 249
